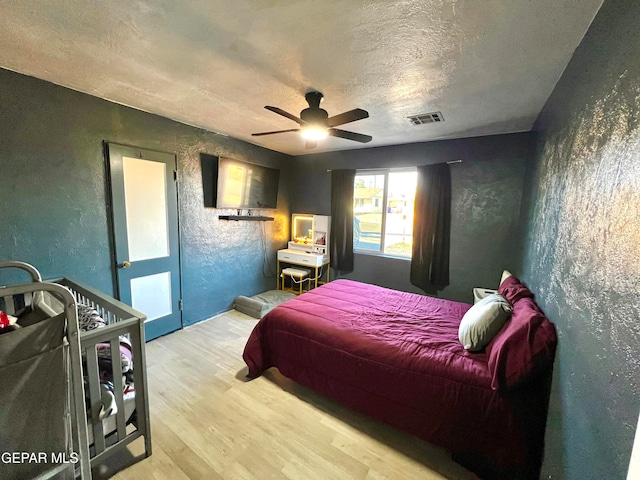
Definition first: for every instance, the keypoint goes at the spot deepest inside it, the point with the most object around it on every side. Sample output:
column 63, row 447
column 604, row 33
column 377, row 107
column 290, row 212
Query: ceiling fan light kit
column 315, row 123
column 314, row 132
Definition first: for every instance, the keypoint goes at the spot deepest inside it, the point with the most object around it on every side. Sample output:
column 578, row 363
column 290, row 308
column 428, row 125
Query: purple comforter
column 396, row 357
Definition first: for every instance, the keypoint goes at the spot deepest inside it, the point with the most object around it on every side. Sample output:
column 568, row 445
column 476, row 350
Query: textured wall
column 583, row 253
column 53, row 194
column 486, row 194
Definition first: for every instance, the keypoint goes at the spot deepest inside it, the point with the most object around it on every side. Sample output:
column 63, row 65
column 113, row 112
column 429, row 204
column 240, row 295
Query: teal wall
column 53, row 194
column 583, row 250
column 486, row 224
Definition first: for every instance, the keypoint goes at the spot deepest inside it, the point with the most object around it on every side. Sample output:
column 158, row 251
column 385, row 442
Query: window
column 385, row 230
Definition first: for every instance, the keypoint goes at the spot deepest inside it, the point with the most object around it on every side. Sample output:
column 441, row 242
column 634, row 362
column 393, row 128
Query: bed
column 396, row 357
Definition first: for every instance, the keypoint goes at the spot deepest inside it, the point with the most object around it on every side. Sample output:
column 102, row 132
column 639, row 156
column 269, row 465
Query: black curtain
column 431, row 228
column 341, row 238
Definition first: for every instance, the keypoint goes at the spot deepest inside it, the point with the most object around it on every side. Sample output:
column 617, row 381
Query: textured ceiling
column 488, row 66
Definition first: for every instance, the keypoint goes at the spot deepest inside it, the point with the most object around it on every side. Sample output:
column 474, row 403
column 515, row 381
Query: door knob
column 125, row 264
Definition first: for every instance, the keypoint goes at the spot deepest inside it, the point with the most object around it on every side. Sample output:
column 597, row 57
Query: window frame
column 385, row 195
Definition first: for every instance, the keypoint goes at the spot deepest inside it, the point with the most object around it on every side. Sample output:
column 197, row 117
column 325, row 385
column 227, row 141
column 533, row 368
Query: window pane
column 399, row 218
column 146, row 208
column 152, row 295
column 368, row 195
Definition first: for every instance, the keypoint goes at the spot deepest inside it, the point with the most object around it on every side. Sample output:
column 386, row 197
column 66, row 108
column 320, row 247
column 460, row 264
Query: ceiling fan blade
column 279, row 111
column 276, row 131
column 358, row 137
column 310, row 144
column 347, row 117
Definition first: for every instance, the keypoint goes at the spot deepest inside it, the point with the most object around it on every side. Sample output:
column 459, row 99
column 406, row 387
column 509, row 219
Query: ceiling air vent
column 433, row 117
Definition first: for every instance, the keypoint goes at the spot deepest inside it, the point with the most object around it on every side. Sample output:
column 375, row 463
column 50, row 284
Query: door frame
column 111, row 221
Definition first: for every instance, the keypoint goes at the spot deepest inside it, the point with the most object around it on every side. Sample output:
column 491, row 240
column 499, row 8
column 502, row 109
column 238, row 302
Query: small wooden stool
column 297, row 276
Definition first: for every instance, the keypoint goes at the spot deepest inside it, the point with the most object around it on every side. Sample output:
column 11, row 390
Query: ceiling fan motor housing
column 313, row 115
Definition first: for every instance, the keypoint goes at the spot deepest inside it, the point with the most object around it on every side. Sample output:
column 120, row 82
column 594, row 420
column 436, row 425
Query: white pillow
column 505, row 274
column 483, row 321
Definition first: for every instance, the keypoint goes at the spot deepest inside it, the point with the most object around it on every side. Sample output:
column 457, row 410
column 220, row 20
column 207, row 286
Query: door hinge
column 175, row 175
column 180, row 304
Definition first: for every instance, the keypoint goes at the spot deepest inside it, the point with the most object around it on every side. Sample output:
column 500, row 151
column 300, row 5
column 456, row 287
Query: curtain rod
column 450, row 162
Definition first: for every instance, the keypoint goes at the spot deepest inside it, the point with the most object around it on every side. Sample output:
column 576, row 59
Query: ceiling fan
column 315, row 123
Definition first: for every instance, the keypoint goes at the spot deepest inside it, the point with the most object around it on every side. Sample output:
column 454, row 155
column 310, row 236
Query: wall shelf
column 255, row 218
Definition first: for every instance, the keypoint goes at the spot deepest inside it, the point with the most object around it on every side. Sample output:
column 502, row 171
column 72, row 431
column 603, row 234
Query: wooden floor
column 208, row 422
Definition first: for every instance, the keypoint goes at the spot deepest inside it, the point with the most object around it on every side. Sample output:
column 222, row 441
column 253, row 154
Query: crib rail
column 111, row 310
column 121, row 319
